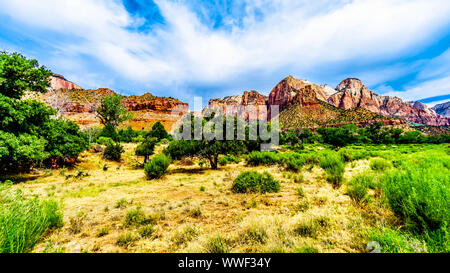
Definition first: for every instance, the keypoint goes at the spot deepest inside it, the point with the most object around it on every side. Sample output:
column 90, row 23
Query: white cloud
column 426, row 89
column 296, row 34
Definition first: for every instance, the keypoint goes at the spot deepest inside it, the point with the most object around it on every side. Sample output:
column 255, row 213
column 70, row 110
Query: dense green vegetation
column 23, row 221
column 157, row 166
column 350, row 134
column 28, row 134
column 252, row 181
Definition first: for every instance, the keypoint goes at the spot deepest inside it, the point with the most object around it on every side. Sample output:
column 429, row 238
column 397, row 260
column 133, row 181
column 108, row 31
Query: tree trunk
column 213, row 161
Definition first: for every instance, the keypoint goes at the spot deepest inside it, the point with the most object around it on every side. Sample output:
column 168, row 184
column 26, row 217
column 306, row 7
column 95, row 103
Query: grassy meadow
column 382, row 198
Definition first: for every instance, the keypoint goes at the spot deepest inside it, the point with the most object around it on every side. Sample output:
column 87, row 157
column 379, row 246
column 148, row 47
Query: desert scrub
column 252, row 181
column 113, row 151
column 358, row 186
column 127, row 239
column 185, row 235
column 395, row 241
column 216, row 244
column 137, row 217
column 418, row 193
column 263, row 158
column 380, row 164
column 311, row 227
column 157, row 166
column 23, row 221
column 334, row 167
column 229, row 159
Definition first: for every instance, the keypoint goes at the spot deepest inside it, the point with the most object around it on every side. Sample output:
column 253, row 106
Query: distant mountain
column 352, row 93
column 304, row 104
column 442, row 109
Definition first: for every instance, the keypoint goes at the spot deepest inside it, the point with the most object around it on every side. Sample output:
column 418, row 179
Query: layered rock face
column 294, row 91
column 79, row 105
column 59, row 82
column 351, row 93
column 249, row 106
column 442, row 109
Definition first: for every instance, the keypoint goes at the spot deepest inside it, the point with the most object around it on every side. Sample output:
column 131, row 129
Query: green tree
column 209, row 149
column 112, row 112
column 147, row 147
column 18, row 74
column 159, row 131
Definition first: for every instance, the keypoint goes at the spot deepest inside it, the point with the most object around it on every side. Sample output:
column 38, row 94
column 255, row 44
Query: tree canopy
column 18, row 74
column 111, row 111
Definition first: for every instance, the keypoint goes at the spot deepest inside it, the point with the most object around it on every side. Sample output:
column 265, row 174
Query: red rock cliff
column 352, row 93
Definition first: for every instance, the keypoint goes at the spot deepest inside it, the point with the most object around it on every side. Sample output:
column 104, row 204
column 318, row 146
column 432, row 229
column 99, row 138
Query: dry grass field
column 192, row 209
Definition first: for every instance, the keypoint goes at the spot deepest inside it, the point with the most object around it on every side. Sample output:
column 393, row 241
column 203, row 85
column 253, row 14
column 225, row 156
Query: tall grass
column 334, row 166
column 23, row 222
column 419, row 193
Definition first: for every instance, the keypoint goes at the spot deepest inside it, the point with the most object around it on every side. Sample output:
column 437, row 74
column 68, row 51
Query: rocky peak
column 350, row 85
column 352, row 93
column 237, row 105
column 442, row 109
column 59, row 82
column 294, row 91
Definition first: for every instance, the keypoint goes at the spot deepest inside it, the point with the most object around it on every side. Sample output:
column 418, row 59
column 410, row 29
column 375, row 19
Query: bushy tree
column 158, row 131
column 204, row 148
column 65, row 141
column 113, row 151
column 147, row 147
column 111, row 111
column 28, row 133
column 18, row 74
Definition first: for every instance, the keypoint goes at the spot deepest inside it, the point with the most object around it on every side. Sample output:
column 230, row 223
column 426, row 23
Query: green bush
column 333, row 165
column 418, row 193
column 105, row 140
column 293, row 161
column 395, row 241
column 217, row 244
column 358, row 186
column 113, row 151
column 252, row 181
column 23, row 221
column 262, row 158
column 157, row 166
column 380, row 164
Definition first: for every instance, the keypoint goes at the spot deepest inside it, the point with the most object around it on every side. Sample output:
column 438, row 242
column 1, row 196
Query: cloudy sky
column 217, row 48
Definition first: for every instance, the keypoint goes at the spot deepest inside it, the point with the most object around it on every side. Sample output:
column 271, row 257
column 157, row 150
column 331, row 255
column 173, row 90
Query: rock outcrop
column 59, row 82
column 79, row 105
column 249, row 106
column 294, row 91
column 351, row 93
column 442, row 109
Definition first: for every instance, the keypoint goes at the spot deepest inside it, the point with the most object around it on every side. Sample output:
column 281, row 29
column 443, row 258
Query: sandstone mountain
column 352, row 93
column 442, row 109
column 249, row 106
column 59, row 82
column 79, row 105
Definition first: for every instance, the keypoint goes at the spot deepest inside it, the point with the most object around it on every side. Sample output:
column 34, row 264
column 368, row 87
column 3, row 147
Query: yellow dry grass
column 187, row 218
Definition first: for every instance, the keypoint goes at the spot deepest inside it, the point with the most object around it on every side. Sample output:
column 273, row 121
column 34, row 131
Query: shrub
column 380, row 164
column 146, row 148
column 113, row 151
column 157, row 167
column 24, row 221
column 358, row 186
column 136, row 217
column 394, row 241
column 262, row 158
column 420, row 196
column 333, row 165
column 146, row 231
column 105, row 140
column 103, row 232
column 252, row 181
column 217, row 244
column 126, row 240
column 293, row 161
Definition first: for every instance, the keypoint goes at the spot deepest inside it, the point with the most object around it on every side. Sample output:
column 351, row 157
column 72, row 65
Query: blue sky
column 218, row 48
